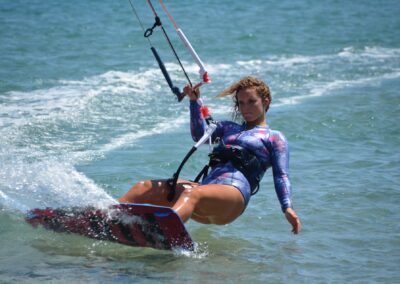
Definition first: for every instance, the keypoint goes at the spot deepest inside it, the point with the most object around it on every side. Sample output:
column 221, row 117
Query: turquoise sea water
column 85, row 113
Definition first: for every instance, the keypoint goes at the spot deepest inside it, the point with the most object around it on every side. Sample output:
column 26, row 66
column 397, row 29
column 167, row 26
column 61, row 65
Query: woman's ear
column 266, row 103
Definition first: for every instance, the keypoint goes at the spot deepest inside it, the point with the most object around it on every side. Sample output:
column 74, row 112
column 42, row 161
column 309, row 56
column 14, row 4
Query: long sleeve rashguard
column 270, row 147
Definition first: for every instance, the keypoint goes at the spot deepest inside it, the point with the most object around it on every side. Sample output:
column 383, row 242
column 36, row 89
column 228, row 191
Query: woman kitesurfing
column 245, row 151
column 237, row 164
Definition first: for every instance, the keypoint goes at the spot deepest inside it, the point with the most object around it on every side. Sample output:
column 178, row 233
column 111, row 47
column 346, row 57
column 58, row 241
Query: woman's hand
column 192, row 93
column 293, row 220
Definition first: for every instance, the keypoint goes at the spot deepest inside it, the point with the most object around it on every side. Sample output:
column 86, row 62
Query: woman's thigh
column 155, row 192
column 212, row 203
column 217, row 203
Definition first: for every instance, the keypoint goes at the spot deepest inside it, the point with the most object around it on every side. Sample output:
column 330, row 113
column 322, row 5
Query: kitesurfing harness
column 242, row 159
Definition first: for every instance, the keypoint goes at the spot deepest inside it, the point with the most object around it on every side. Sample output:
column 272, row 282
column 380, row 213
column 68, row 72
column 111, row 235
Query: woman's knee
column 146, row 185
column 193, row 194
column 143, row 184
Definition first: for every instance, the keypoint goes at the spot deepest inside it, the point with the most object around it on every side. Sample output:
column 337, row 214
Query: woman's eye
column 249, row 102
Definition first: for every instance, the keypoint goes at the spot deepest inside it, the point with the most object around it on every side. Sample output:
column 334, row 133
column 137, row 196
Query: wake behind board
column 139, row 225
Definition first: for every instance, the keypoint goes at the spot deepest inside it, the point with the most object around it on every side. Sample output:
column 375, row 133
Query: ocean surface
column 85, row 113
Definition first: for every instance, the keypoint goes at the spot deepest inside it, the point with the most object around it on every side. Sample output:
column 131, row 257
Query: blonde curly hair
column 262, row 90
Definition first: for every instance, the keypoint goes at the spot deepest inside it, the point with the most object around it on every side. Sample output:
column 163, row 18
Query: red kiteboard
column 139, row 225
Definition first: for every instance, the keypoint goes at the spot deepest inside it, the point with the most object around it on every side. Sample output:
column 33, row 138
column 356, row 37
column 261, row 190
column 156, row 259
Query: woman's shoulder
column 277, row 138
column 230, row 125
column 277, row 134
column 229, row 122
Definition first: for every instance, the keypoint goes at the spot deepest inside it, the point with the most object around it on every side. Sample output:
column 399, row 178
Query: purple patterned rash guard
column 268, row 145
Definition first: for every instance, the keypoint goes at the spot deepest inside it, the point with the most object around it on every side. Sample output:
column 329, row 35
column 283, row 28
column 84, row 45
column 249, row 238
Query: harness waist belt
column 242, row 159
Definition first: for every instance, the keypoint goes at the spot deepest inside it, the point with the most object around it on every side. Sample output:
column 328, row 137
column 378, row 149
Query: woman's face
column 251, row 106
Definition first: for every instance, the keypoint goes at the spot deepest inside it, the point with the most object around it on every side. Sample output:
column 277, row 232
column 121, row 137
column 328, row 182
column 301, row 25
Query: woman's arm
column 197, row 123
column 196, row 120
column 280, row 168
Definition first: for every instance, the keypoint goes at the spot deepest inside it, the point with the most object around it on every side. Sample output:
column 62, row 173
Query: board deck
column 139, row 225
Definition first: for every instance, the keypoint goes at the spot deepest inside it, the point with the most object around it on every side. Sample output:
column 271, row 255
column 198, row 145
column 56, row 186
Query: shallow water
column 85, row 113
